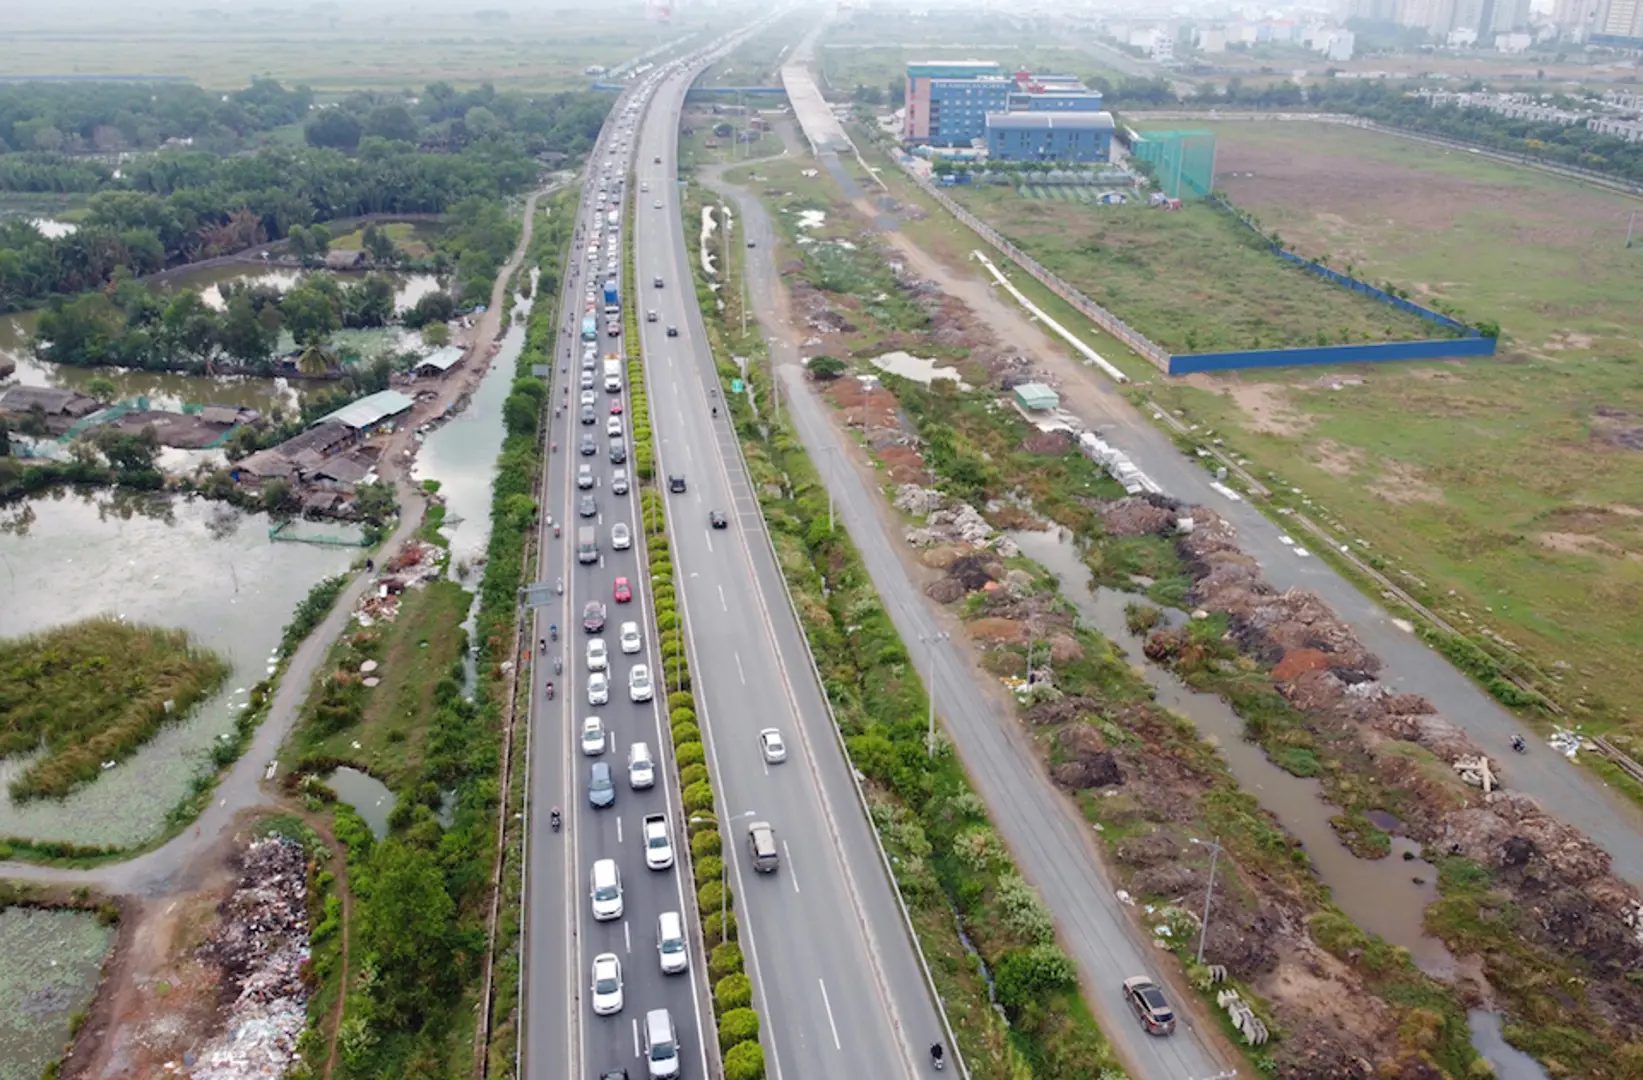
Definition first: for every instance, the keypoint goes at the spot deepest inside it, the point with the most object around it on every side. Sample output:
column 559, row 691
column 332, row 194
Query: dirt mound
column 1300, row 661
column 1064, row 711
column 1150, row 850
column 1170, row 881
column 945, row 590
column 1048, row 444
column 1137, row 516
column 997, row 630
column 974, row 571
column 1089, row 763
column 941, row 556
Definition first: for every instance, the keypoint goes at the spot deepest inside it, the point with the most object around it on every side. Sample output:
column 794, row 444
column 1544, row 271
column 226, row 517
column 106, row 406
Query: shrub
column 713, row 932
column 699, row 796
column 745, row 1061
column 708, row 868
column 706, row 843
column 738, row 1026
column 680, row 700
column 667, row 620
column 691, row 753
column 726, row 959
column 711, row 897
column 692, row 774
column 1024, row 912
column 1025, row 975
column 686, row 735
column 732, row 992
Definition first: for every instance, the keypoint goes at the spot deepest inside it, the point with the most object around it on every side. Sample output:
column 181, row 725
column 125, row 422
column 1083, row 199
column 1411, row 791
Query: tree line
column 372, row 153
column 109, row 117
column 137, row 326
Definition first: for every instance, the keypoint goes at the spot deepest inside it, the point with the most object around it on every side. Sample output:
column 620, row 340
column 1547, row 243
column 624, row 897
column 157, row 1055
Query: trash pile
column 414, row 566
column 261, row 943
column 1139, row 516
column 947, row 521
column 1552, row 869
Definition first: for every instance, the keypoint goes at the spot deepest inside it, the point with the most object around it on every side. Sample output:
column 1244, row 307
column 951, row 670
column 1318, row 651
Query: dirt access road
column 183, row 863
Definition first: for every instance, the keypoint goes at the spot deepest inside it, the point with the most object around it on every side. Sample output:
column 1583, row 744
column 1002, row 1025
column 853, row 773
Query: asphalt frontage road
column 835, row 975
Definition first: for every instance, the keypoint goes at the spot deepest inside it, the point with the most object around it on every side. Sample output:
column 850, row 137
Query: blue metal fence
column 1379, row 352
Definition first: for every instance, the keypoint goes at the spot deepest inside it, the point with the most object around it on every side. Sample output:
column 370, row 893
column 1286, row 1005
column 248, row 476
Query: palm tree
column 315, row 360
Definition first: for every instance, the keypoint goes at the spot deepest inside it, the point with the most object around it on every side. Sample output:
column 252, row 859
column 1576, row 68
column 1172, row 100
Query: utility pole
column 1203, row 926
column 930, row 645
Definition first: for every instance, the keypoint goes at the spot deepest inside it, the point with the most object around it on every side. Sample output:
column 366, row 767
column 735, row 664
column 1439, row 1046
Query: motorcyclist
column 558, row 664
column 1518, row 743
column 559, row 586
column 553, row 632
column 937, row 1054
column 554, row 818
column 550, row 689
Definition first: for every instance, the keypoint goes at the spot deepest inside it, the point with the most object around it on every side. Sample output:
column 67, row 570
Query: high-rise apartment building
column 1619, row 22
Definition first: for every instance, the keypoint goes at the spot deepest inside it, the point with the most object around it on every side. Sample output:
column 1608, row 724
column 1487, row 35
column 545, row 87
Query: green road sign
column 735, row 386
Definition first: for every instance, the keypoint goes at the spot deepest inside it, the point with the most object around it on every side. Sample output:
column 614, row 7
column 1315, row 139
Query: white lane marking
column 791, row 876
column 722, row 604
column 627, row 935
column 739, row 672
column 636, row 1036
column 829, row 1007
column 618, row 830
column 710, row 540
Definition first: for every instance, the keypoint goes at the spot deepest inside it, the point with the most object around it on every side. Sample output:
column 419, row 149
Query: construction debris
column 261, row 943
column 1476, row 772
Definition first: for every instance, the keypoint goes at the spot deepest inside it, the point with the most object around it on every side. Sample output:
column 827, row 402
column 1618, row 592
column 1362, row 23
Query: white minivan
column 670, row 943
column 641, row 767
column 606, row 890
column 661, row 1045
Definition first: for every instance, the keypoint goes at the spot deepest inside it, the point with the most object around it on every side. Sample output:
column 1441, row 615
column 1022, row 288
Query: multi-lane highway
column 563, row 1037
column 835, row 975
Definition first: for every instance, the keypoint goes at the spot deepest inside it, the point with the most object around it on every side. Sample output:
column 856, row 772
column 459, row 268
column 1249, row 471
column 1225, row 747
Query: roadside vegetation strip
column 95, row 692
column 979, row 924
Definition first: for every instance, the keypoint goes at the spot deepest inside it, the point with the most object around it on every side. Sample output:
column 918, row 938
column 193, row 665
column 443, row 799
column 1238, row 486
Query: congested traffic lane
column 832, row 967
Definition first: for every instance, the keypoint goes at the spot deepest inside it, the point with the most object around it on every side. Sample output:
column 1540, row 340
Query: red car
column 623, row 593
column 616, row 406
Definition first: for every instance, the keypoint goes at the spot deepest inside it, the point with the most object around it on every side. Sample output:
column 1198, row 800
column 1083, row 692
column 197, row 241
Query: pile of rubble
column 1139, row 515
column 1554, row 871
column 261, row 943
column 416, row 564
column 947, row 521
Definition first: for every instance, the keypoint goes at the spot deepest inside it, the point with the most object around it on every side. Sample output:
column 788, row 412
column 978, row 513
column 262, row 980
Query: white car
column 593, row 736
column 588, row 397
column 607, row 984
column 606, row 890
column 598, row 656
column 620, row 538
column 613, row 427
column 658, row 842
column 598, row 688
column 639, row 687
column 641, row 767
column 771, row 746
column 630, row 639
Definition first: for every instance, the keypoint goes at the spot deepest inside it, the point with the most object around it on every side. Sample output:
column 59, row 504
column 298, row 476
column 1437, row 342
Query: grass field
column 1192, row 280
column 354, row 46
column 1508, row 490
column 757, row 61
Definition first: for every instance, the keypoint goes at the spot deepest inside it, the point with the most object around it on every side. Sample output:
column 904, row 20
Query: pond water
column 1381, row 895
column 203, row 567
column 369, row 797
column 171, row 391
column 52, row 229
column 917, row 368
column 1510, row 1063
column 50, row 965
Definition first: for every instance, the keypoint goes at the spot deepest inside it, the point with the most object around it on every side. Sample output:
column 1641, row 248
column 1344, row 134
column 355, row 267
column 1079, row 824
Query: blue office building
column 949, row 103
column 1049, row 137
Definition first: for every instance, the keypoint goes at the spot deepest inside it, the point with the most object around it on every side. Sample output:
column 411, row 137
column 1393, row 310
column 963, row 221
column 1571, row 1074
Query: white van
column 606, row 890
column 661, row 1045
column 641, row 768
column 670, row 943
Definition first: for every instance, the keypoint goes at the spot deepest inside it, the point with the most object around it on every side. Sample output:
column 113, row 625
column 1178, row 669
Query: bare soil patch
column 1583, row 544
column 1266, row 405
column 1403, row 484
column 1335, row 459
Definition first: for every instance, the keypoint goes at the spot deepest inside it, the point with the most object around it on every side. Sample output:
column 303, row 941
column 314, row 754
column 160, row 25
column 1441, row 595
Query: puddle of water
column 369, row 797
column 199, row 566
column 917, row 368
column 462, row 454
column 1380, row 895
column 1510, row 1063
column 52, row 229
column 50, row 964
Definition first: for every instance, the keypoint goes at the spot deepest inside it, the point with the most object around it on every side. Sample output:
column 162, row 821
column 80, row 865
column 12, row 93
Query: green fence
column 1182, row 161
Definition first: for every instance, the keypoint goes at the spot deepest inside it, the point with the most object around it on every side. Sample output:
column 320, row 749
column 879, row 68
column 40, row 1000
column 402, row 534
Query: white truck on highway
column 612, row 218
column 613, row 375
column 658, row 844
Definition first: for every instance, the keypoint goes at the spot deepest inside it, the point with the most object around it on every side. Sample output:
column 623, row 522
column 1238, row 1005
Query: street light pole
column 930, row 643
column 1203, row 926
